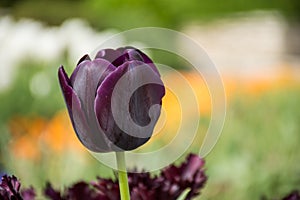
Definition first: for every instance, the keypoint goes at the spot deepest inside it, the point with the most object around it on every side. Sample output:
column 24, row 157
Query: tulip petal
column 76, row 113
column 73, row 75
column 136, row 54
column 89, row 75
column 139, row 104
column 83, row 58
column 113, row 56
column 119, row 56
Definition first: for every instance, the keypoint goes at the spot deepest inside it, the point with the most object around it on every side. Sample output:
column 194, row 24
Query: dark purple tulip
column 10, row 189
column 169, row 184
column 114, row 101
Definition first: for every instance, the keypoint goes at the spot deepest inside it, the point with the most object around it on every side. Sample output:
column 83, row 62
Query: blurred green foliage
column 136, row 13
column 258, row 152
column 20, row 99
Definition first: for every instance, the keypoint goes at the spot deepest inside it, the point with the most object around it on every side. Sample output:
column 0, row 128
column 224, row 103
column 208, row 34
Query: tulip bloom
column 114, row 101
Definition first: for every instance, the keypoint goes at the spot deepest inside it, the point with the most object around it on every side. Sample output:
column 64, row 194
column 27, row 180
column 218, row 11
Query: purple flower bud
column 114, row 101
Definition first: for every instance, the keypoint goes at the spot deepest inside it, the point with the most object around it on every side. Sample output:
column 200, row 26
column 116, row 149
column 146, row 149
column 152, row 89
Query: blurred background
column 255, row 45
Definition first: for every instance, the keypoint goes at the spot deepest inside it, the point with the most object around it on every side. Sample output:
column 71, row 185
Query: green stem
column 122, row 173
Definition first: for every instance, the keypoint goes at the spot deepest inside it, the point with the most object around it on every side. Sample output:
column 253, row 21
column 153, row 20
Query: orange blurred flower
column 31, row 136
column 25, row 133
column 59, row 134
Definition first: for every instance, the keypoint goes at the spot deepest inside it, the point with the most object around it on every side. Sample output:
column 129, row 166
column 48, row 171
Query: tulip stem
column 122, row 174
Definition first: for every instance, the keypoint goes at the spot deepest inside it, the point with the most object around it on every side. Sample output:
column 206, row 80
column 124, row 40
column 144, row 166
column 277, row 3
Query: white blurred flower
column 28, row 39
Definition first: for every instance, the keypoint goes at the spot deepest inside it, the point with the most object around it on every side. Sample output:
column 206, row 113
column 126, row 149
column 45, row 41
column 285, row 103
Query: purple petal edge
column 74, row 74
column 145, row 58
column 73, row 103
column 121, row 55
